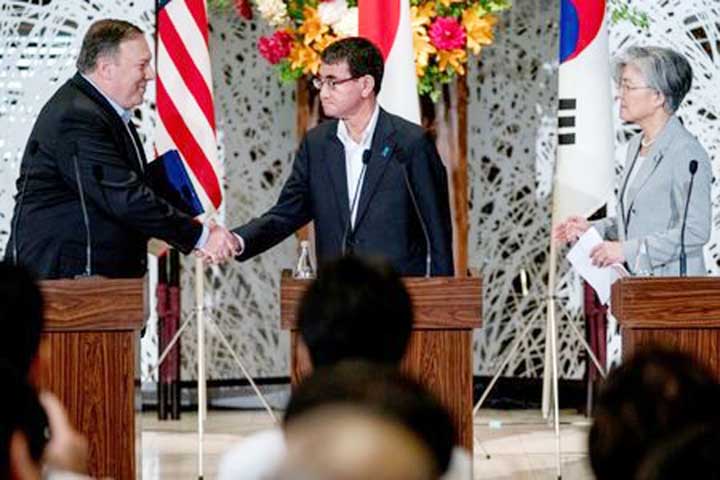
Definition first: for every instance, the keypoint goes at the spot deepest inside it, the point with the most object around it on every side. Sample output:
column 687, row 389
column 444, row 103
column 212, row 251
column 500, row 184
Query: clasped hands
column 221, row 245
column 603, row 255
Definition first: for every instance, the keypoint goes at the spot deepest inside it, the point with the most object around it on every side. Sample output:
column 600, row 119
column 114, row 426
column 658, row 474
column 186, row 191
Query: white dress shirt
column 354, row 159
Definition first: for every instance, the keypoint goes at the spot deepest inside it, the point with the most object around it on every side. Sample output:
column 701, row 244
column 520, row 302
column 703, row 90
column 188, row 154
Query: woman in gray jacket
column 651, row 84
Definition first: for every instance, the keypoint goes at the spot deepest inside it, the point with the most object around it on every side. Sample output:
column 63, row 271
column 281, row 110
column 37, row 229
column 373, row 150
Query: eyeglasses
column 331, row 82
column 624, row 87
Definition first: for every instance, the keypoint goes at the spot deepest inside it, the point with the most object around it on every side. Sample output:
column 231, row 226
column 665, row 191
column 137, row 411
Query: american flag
column 186, row 117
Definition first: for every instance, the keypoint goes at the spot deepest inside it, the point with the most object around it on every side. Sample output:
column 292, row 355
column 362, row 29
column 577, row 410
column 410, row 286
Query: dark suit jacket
column 78, row 125
column 386, row 224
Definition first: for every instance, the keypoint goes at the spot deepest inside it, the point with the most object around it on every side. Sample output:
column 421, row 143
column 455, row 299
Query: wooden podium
column 681, row 313
column 439, row 355
column 91, row 327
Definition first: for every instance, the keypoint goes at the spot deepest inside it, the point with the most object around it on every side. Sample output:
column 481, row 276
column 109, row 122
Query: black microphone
column 402, row 160
column 683, row 255
column 32, row 149
column 348, row 234
column 83, row 207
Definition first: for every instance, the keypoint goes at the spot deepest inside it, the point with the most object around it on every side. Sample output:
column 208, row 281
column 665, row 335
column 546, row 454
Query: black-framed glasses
column 331, row 82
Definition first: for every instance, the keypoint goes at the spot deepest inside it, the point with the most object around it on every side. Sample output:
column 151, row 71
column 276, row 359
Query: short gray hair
column 103, row 38
column 664, row 70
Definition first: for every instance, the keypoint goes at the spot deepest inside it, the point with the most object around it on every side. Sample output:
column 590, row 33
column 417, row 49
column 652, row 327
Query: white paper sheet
column 600, row 279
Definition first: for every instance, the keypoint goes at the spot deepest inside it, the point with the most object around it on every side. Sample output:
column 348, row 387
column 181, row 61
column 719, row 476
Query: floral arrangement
column 445, row 33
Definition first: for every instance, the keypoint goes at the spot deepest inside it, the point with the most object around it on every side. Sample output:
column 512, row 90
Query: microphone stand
column 683, row 254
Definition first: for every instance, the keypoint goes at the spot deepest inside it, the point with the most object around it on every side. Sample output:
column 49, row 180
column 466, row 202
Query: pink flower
column 276, row 46
column 446, row 33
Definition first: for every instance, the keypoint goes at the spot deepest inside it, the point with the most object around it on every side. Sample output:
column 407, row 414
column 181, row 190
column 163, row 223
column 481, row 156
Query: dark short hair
column 21, row 316
column 356, row 309
column 692, row 453
column 381, row 390
column 362, row 56
column 20, row 411
column 103, row 38
column 651, row 397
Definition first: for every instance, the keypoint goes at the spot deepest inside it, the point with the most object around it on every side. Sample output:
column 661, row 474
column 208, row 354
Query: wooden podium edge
column 94, row 304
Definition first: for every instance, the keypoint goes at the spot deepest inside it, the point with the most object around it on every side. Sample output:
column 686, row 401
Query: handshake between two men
column 221, row 245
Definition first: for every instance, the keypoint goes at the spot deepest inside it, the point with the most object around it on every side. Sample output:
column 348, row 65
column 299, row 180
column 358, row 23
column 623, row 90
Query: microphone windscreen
column 693, row 167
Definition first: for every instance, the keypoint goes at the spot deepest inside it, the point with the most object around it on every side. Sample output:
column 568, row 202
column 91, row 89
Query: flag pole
column 552, row 333
column 201, row 397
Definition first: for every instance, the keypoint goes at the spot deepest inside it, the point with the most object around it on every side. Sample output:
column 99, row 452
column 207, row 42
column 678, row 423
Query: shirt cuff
column 203, row 238
column 241, row 242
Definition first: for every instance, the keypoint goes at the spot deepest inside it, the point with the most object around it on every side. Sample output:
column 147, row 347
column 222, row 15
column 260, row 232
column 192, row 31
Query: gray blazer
column 656, row 201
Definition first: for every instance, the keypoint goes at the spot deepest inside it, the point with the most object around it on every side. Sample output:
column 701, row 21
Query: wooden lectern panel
column 92, row 331
column 680, row 313
column 441, row 360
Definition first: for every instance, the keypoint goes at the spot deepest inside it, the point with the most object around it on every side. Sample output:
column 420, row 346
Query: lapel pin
column 386, row 151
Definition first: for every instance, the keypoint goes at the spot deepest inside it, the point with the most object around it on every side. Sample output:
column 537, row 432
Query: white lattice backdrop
column 512, row 143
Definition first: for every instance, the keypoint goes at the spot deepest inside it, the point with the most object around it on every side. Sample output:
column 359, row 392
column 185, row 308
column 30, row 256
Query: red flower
column 243, row 8
column 446, row 33
column 276, row 46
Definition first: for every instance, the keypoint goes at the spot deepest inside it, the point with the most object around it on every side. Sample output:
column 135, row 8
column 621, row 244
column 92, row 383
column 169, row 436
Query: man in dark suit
column 372, row 182
column 84, row 206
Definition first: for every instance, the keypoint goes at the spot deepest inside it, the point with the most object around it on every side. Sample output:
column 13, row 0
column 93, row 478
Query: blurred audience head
column 692, row 453
column 21, row 317
column 382, row 390
column 650, row 398
column 22, row 427
column 356, row 309
column 354, row 443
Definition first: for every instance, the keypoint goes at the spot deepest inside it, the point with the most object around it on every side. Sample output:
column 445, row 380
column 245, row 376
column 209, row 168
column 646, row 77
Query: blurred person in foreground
column 380, row 390
column 23, row 353
column 651, row 84
column 352, row 443
column 356, row 308
column 692, row 453
column 647, row 401
column 22, row 428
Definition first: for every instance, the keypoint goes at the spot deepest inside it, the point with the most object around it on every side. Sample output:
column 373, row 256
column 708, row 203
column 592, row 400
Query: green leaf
column 287, row 73
column 620, row 11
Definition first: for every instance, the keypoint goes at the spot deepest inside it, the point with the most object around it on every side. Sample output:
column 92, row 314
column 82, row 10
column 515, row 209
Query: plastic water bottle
column 643, row 266
column 304, row 268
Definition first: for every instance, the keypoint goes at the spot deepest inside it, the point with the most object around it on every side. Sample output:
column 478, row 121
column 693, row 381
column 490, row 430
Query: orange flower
column 324, row 42
column 422, row 15
column 479, row 29
column 312, row 28
column 453, row 58
column 305, row 58
column 423, row 50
